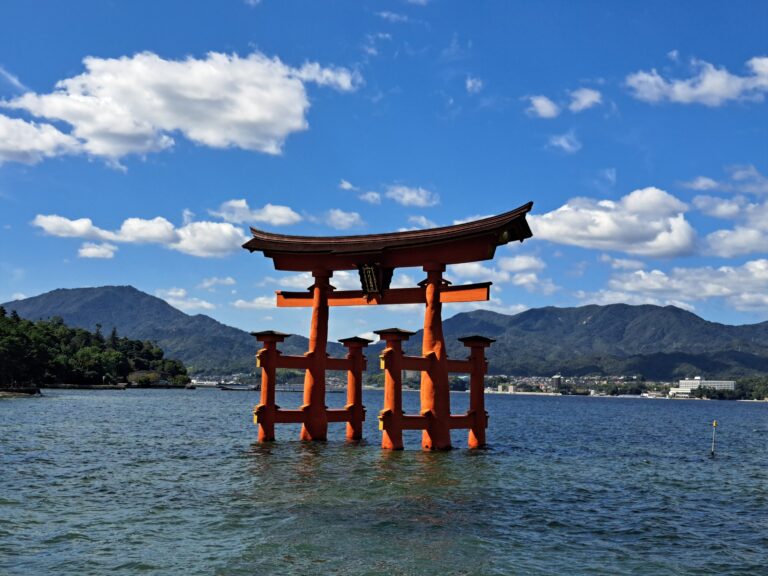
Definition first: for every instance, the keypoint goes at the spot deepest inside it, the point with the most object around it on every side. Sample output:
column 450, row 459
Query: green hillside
column 50, row 352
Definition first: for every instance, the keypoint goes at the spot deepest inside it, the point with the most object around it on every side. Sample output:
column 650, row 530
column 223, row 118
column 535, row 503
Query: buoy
column 714, row 429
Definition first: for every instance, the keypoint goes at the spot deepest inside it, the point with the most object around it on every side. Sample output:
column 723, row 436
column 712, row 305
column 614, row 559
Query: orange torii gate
column 376, row 256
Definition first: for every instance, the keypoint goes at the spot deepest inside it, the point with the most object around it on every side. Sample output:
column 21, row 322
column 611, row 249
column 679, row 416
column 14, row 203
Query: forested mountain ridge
column 660, row 342
column 50, row 352
column 202, row 343
column 653, row 341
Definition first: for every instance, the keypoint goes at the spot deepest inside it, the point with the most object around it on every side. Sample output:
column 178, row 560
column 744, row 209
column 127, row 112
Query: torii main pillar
column 435, row 392
column 315, row 426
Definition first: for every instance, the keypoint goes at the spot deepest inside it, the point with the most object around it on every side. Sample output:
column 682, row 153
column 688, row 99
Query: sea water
column 172, row 482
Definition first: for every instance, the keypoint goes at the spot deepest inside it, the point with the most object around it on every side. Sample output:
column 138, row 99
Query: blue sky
column 138, row 140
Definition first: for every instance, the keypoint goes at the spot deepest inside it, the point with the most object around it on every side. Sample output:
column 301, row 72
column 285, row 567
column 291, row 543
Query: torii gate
column 376, row 256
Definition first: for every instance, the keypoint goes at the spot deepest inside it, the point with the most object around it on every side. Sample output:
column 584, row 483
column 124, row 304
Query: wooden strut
column 266, row 414
column 392, row 419
column 464, row 293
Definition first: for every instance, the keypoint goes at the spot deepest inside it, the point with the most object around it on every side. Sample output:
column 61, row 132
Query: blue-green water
column 171, row 482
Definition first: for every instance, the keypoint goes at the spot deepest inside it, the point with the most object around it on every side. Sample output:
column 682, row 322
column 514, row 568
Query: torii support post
column 315, row 426
column 435, row 392
column 391, row 416
column 266, row 359
column 479, row 366
column 357, row 364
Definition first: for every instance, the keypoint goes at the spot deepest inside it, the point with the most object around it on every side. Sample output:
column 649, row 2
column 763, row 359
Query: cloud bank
column 139, row 104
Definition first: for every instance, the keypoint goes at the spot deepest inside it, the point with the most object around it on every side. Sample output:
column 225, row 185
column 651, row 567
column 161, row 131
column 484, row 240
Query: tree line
column 49, row 351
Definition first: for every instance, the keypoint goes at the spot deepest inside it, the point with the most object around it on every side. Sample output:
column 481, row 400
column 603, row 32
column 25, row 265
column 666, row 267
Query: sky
column 139, row 141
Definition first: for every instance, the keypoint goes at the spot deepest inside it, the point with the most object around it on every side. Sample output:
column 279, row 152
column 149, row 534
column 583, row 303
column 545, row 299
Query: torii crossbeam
column 376, row 256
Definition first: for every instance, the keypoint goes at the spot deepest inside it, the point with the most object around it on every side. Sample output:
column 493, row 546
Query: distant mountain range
column 653, row 341
column 657, row 342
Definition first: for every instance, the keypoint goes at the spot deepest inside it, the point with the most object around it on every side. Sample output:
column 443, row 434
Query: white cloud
column 205, row 239
column 209, row 239
column 209, row 283
column 584, row 98
column 710, row 86
column 392, row 17
column 542, row 107
column 341, row 220
column 521, row 263
column 133, row 230
column 238, row 212
column 403, row 280
column 258, row 303
column 132, row 105
column 521, row 271
column 30, row 143
column 344, row 185
column 743, row 179
column 567, row 142
column 739, row 240
column 62, row 227
column 477, row 272
column 407, row 196
column 421, row 222
column 12, row 79
column 531, row 282
column 187, row 216
column 746, row 179
column 673, row 55
column 749, row 236
column 370, row 197
column 155, row 231
column 743, row 287
column 647, row 222
column 93, row 250
column 341, row 280
column 750, row 233
column 339, row 79
column 622, row 263
column 473, row 85
column 719, row 207
column 178, row 298
column 701, row 183
column 300, row 281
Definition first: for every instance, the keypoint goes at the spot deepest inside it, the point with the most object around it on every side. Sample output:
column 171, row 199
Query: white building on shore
column 684, row 387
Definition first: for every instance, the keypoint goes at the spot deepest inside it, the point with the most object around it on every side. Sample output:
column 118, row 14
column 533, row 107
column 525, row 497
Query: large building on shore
column 684, row 387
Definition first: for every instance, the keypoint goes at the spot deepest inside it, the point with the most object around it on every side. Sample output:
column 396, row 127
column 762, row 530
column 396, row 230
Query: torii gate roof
column 468, row 242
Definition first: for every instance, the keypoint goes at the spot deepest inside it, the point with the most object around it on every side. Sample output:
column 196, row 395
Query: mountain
column 202, row 343
column 657, row 342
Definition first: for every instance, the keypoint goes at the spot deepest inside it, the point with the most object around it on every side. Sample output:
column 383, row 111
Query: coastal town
column 556, row 385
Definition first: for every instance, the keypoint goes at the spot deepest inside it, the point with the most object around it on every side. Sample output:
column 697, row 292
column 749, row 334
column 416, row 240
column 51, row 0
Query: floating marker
column 714, row 429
